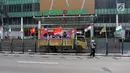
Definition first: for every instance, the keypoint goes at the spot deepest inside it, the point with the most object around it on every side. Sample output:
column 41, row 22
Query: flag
column 103, row 29
column 74, row 31
column 88, row 28
column 9, row 31
column 21, row 30
column 57, row 30
column 69, row 34
column 44, row 31
column 33, row 30
column 119, row 28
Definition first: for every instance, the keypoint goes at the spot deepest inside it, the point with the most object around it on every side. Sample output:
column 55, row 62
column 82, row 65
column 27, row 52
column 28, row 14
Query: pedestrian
column 93, row 47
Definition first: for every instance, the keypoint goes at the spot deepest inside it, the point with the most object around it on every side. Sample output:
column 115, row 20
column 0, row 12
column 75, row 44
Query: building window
column 10, row 8
column 22, row 7
column 31, row 7
column 105, row 4
column 6, row 9
column 29, row 20
column 36, row 7
column 18, row 7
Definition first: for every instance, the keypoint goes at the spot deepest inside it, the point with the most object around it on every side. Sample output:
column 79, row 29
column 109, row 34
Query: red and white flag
column 44, row 31
column 57, row 30
column 33, row 30
column 88, row 28
column 74, row 31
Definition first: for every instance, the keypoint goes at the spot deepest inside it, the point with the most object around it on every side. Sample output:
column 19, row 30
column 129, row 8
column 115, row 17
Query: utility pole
column 1, row 34
column 35, row 38
column 22, row 34
column 117, row 21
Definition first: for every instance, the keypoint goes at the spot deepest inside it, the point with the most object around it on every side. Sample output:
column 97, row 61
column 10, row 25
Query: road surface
column 63, row 64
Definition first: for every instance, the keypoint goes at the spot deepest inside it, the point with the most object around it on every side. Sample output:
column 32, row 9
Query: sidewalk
column 64, row 54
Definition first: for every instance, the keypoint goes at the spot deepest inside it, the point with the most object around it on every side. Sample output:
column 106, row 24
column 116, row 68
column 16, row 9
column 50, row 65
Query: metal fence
column 30, row 45
column 16, row 45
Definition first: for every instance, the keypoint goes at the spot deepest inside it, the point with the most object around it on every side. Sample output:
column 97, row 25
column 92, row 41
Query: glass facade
column 17, row 21
column 20, row 8
column 111, row 18
column 110, row 4
column 105, row 4
column 16, row 7
column 29, row 7
column 105, row 9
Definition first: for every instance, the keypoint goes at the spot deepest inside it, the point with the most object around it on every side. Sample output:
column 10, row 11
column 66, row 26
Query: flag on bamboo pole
column 33, row 30
column 103, row 29
column 119, row 28
column 119, row 32
column 44, row 31
column 21, row 30
column 88, row 28
column 57, row 30
column 74, row 31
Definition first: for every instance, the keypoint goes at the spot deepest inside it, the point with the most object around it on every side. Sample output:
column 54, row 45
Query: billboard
column 67, row 6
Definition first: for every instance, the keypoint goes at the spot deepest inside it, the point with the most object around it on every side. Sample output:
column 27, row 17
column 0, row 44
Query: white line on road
column 36, row 62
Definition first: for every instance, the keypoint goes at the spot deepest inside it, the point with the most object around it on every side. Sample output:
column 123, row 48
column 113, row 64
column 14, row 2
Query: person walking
column 93, row 47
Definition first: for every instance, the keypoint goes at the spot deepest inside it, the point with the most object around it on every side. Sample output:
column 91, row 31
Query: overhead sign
column 47, row 12
column 120, row 7
column 67, row 6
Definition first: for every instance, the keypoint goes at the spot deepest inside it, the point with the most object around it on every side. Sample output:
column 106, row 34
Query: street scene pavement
column 16, row 63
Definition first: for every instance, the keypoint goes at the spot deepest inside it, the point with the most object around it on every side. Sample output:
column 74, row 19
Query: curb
column 57, row 54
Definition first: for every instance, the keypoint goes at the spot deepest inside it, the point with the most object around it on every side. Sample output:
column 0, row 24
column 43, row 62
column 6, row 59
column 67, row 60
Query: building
column 68, row 13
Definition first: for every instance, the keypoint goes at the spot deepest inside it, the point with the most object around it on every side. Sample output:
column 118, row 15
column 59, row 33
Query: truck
column 61, row 43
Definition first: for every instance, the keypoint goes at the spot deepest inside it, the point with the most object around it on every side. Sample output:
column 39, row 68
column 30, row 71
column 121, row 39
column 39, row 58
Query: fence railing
column 31, row 45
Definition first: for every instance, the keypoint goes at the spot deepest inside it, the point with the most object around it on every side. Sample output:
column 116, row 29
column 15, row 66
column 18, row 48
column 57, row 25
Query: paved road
column 63, row 64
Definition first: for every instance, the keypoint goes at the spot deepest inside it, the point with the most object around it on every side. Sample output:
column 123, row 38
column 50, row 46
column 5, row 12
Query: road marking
column 107, row 70
column 36, row 62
